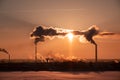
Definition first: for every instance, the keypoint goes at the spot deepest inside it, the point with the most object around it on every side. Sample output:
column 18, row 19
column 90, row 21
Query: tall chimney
column 9, row 57
column 96, row 57
column 35, row 52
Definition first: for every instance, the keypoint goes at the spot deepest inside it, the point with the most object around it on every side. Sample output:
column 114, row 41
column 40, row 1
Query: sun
column 70, row 36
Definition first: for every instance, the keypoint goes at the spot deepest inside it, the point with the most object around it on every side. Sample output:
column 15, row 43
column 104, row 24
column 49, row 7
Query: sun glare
column 70, row 36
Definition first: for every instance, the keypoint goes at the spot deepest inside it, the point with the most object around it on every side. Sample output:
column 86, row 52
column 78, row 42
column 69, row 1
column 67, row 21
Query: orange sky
column 18, row 18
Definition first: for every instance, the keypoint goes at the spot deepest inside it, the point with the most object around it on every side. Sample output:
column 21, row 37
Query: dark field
column 60, row 66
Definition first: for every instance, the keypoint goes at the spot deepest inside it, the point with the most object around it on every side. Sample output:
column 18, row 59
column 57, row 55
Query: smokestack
column 89, row 34
column 35, row 52
column 41, row 38
column 36, row 40
column 96, row 54
column 9, row 57
column 5, row 51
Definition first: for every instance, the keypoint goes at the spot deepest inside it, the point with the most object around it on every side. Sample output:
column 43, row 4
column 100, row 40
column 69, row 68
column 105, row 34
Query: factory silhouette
column 40, row 33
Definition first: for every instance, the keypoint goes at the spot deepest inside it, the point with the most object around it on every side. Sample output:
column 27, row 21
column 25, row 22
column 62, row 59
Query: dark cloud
column 39, row 33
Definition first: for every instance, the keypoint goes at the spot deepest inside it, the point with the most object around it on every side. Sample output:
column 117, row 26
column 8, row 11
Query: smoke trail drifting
column 88, row 34
column 38, row 39
column 40, row 33
column 106, row 33
column 3, row 50
column 92, row 31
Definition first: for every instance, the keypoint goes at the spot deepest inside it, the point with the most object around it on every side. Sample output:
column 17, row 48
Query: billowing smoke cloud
column 40, row 33
column 3, row 50
column 88, row 34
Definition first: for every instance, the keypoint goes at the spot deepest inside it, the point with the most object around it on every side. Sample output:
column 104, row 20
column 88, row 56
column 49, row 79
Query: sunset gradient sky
column 19, row 17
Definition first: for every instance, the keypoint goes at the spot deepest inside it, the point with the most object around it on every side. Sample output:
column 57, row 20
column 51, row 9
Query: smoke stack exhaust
column 36, row 40
column 5, row 51
column 89, row 34
column 41, row 33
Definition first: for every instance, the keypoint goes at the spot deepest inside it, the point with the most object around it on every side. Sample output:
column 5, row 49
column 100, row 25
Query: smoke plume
column 106, row 33
column 92, row 31
column 88, row 34
column 3, row 50
column 40, row 33
column 38, row 39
